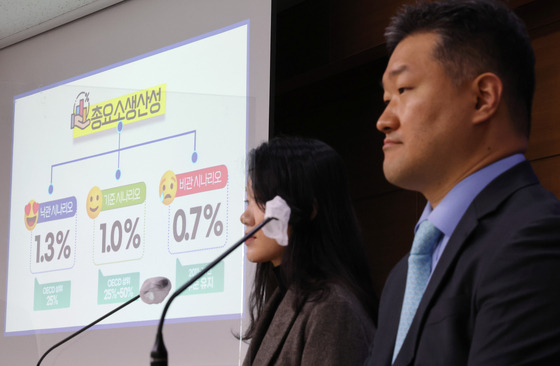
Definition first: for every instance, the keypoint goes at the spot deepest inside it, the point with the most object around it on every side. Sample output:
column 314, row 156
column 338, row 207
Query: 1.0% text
column 115, row 239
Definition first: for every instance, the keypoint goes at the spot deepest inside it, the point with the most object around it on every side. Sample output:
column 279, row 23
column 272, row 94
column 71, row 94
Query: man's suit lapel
column 486, row 202
column 281, row 324
column 408, row 349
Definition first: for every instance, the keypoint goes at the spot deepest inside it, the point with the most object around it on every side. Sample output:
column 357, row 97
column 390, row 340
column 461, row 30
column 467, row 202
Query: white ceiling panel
column 22, row 19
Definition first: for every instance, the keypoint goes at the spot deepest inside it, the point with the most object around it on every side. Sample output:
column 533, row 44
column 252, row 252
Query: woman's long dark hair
column 325, row 244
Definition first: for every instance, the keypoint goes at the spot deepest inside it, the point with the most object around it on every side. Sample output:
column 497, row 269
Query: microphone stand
column 87, row 327
column 159, row 352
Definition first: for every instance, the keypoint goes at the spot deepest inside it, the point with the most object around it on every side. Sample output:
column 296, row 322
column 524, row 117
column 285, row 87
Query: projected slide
column 126, row 173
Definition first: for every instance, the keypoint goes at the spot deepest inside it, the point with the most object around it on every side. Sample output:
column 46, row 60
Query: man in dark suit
column 458, row 90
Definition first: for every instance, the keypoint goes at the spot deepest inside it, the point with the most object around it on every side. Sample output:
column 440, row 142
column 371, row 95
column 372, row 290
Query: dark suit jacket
column 494, row 296
column 335, row 331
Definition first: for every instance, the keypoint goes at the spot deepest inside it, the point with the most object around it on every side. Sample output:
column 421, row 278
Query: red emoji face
column 31, row 214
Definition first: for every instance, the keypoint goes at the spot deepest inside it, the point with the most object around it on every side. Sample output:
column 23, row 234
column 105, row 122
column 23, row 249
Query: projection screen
column 125, row 135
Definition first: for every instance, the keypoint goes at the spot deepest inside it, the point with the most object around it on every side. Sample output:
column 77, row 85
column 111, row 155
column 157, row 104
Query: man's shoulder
column 516, row 193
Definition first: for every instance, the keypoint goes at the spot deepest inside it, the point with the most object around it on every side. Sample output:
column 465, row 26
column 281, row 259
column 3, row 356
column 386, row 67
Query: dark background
column 328, row 59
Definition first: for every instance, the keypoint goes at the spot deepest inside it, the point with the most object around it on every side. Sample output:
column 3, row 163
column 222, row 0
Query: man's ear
column 487, row 89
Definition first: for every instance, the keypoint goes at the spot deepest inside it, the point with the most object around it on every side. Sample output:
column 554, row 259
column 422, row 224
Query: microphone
column 153, row 291
column 159, row 352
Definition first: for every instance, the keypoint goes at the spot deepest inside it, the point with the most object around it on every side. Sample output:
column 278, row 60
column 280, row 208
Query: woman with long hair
column 312, row 301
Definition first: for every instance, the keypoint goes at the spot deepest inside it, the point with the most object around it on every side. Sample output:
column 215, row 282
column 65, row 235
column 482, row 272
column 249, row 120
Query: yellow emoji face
column 94, row 202
column 168, row 187
column 31, row 214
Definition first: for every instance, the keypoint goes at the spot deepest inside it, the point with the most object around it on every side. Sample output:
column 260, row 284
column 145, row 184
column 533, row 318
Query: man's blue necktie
column 419, row 269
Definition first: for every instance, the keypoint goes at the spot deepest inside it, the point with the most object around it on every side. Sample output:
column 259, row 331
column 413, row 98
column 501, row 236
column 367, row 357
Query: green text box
column 123, row 196
column 117, row 288
column 54, row 295
column 212, row 281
